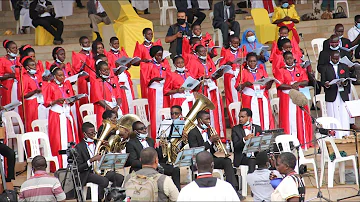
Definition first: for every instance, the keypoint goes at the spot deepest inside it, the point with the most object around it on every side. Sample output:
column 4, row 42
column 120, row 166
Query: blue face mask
column 358, row 25
column 32, row 71
column 204, row 126
column 285, row 5
column 142, row 136
column 251, row 39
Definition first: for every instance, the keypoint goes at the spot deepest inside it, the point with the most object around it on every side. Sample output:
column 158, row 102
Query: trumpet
column 219, row 145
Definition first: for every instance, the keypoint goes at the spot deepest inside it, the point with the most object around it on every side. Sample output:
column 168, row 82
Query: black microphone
column 326, row 132
column 82, row 66
column 2, row 86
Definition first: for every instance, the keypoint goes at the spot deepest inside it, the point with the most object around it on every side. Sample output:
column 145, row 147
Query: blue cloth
column 250, row 46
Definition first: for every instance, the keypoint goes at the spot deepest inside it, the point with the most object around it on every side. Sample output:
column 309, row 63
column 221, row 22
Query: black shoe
column 80, row 6
column 98, row 39
column 57, row 42
column 239, row 11
column 241, row 197
column 146, row 11
column 91, row 26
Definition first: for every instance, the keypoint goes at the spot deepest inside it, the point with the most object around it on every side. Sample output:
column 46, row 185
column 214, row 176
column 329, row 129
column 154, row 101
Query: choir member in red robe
column 229, row 56
column 31, row 89
column 62, row 128
column 59, row 57
column 172, row 86
column 104, row 92
column 115, row 51
column 8, row 63
column 97, row 48
column 284, row 44
column 78, row 59
column 284, row 33
column 203, row 68
column 255, row 96
column 157, row 71
column 27, row 50
column 126, row 91
column 206, row 41
column 293, row 120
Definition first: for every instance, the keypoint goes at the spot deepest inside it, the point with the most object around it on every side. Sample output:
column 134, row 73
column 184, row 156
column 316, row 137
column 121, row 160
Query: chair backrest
column 164, row 112
column 287, row 143
column 140, row 106
column 9, row 123
column 42, row 124
column 274, row 103
column 88, row 108
column 33, row 138
column 260, row 16
column 272, row 93
column 354, row 94
column 322, row 145
column 92, row 119
column 329, row 122
column 235, row 106
column 319, row 43
column 320, row 98
column 136, row 88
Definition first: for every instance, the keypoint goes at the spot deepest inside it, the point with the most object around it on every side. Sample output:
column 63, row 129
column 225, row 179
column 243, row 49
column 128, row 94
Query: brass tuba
column 115, row 142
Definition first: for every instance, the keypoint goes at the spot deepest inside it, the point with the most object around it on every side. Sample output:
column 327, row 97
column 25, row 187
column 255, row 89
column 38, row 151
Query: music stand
column 257, row 144
column 170, row 129
column 187, row 157
column 113, row 161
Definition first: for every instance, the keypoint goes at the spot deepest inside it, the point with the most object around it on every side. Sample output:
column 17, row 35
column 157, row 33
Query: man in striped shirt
column 42, row 186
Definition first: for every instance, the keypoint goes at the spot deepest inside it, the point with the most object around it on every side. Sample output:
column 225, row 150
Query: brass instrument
column 113, row 143
column 219, row 145
column 174, row 146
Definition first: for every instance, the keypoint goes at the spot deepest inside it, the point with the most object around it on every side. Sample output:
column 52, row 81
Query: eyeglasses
column 142, row 128
column 174, row 113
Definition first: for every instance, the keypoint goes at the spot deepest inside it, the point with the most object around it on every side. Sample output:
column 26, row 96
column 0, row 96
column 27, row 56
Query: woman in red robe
column 27, row 50
column 293, row 120
column 255, row 97
column 172, row 86
column 8, row 63
column 284, row 33
column 104, row 92
column 59, row 57
column 31, row 89
column 157, row 71
column 127, row 94
column 229, row 56
column 203, row 68
column 283, row 45
column 62, row 128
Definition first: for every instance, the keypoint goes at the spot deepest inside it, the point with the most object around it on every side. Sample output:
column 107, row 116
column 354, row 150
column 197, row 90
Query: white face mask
column 198, row 36
column 289, row 66
column 104, row 76
column 32, row 71
column 146, row 40
column 57, row 81
column 58, row 61
column 247, row 123
column 202, row 57
column 86, row 48
column 89, row 140
column 142, row 136
column 341, row 36
column 114, row 49
column 233, row 48
column 335, row 48
column 180, row 69
column 12, row 54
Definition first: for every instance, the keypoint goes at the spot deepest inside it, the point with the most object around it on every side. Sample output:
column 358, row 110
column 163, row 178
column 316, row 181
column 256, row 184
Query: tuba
column 115, row 143
column 201, row 103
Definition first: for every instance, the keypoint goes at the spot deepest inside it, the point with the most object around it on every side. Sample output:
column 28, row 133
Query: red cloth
column 174, row 81
column 304, row 134
column 39, row 68
column 77, row 59
column 295, row 49
column 68, row 70
column 291, row 27
column 268, row 5
column 101, row 90
column 142, row 52
column 5, row 68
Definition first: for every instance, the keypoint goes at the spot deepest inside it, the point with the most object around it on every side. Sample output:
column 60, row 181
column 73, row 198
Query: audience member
column 354, row 36
column 25, row 13
column 97, row 14
column 9, row 155
column 286, row 15
column 339, row 32
column 167, row 190
column 192, row 9
column 206, row 187
column 224, row 19
column 249, row 43
column 176, row 32
column 141, row 5
column 269, row 5
column 41, row 186
column 42, row 14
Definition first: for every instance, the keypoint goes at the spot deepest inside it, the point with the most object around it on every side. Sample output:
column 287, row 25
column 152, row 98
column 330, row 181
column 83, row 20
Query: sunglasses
column 174, row 113
column 142, row 128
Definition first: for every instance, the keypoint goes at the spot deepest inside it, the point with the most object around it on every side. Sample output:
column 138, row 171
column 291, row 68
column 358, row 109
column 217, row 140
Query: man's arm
column 217, row 14
column 130, row 149
column 237, row 140
column 170, row 189
column 58, row 191
column 171, row 36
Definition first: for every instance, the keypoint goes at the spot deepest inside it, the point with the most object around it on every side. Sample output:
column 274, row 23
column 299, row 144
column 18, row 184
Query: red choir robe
column 113, row 56
column 188, row 57
column 128, row 95
column 68, row 70
column 207, row 39
column 62, row 128
column 211, row 91
column 295, row 49
column 173, row 81
column 83, row 87
column 156, row 97
column 278, row 61
column 292, row 119
column 104, row 90
column 231, row 94
column 39, row 68
column 9, row 95
column 260, row 106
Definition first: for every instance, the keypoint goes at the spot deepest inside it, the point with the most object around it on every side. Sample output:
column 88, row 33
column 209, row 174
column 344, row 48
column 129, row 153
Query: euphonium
column 219, row 145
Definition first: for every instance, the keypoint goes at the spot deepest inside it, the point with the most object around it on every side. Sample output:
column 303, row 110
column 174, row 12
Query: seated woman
column 249, row 44
column 284, row 33
column 286, row 15
column 255, row 96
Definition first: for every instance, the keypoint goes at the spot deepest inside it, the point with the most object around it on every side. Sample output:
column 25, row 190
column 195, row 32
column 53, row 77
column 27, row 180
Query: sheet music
column 120, row 68
column 345, row 60
column 12, row 105
column 166, row 54
column 75, row 98
column 263, row 81
column 334, row 81
column 349, row 49
column 353, row 108
column 75, row 77
column 261, row 49
column 225, row 69
column 190, row 83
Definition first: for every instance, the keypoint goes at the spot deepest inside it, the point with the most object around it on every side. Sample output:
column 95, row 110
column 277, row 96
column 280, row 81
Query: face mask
column 32, row 71
column 283, row 37
column 181, row 21
column 285, row 5
column 104, row 76
column 303, row 58
column 57, row 81
column 198, row 36
column 180, row 69
column 58, row 61
column 204, row 126
column 86, row 48
column 147, row 41
column 289, row 66
column 335, row 48
column 341, row 36
column 358, row 25
column 251, row 39
column 233, row 48
column 12, row 54
column 334, row 63
column 142, row 136
column 89, row 140
column 247, row 123
column 114, row 49
column 202, row 57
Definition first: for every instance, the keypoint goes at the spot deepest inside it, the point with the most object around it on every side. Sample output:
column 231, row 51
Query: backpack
column 143, row 188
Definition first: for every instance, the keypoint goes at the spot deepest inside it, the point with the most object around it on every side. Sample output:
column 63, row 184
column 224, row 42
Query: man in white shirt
column 97, row 14
column 206, row 187
column 354, row 36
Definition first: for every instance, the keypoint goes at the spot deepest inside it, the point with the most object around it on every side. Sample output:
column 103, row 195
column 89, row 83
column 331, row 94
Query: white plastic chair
column 164, row 6
column 235, row 106
column 320, row 98
column 165, row 112
column 242, row 176
column 94, row 188
column 88, row 108
column 274, row 104
column 217, row 32
column 329, row 122
column 10, row 132
column 332, row 164
column 336, row 2
column 42, row 124
column 92, row 119
column 285, row 141
column 354, row 94
column 140, row 105
column 272, row 93
column 33, row 138
column 319, row 43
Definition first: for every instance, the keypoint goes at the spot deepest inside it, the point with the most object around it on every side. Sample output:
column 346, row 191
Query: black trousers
column 226, row 165
column 251, row 162
column 9, row 154
column 190, row 16
column 54, row 26
column 78, row 3
column 103, row 182
column 224, row 27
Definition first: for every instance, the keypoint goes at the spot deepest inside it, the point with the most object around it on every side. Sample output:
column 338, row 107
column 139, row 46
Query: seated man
column 42, row 14
column 167, row 191
column 206, row 187
column 224, row 19
column 85, row 159
column 354, row 35
column 192, row 9
column 339, row 31
column 141, row 141
column 240, row 134
column 97, row 14
column 199, row 136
